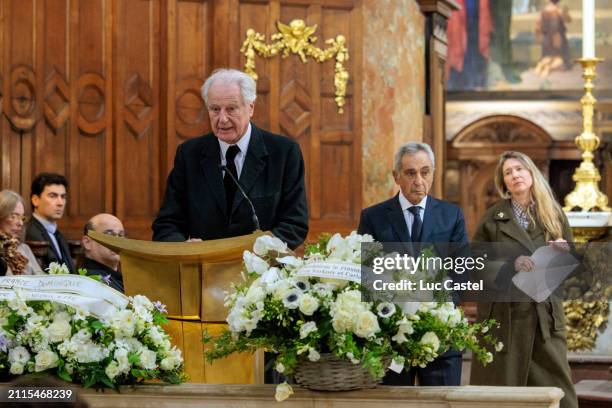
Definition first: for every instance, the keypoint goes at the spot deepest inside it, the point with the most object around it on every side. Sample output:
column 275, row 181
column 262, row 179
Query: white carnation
column 313, row 355
column 19, row 354
column 307, row 328
column 147, row 359
column 112, row 370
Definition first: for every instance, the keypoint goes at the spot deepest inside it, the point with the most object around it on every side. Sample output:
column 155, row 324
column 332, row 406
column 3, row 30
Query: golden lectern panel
column 190, row 278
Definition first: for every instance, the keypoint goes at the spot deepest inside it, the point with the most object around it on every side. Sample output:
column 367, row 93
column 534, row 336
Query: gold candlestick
column 586, row 195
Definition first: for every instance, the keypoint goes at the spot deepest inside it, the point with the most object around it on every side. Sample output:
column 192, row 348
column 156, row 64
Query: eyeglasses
column 120, row 234
column 18, row 217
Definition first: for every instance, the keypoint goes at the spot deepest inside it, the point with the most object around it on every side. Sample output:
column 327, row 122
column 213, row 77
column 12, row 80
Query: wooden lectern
column 190, row 278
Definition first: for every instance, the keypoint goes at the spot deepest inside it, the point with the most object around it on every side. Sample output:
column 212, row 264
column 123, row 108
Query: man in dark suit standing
column 48, row 196
column 201, row 199
column 414, row 216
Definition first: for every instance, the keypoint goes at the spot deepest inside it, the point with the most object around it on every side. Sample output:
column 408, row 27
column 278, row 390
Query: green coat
column 535, row 347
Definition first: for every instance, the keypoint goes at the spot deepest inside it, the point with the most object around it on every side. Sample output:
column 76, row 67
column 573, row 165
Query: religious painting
column 524, row 45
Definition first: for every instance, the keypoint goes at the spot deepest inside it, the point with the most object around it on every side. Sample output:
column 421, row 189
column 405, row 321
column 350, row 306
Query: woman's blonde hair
column 8, row 202
column 547, row 209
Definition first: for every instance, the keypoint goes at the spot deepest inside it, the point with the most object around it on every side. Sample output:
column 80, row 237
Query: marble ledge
column 255, row 396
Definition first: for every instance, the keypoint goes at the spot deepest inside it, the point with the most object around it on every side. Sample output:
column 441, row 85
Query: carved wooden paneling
column 103, row 91
column 189, row 57
column 90, row 143
column 136, row 97
column 297, row 100
column 477, row 148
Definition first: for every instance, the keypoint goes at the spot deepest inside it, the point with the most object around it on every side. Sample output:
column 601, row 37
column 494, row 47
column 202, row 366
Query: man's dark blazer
column 96, row 268
column 442, row 223
column 272, row 177
column 35, row 231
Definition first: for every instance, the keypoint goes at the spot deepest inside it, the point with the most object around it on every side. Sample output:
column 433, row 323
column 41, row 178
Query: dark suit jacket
column 35, row 231
column 96, row 268
column 272, row 176
column 442, row 223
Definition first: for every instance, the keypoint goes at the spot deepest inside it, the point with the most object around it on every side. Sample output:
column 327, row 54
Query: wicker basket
column 331, row 373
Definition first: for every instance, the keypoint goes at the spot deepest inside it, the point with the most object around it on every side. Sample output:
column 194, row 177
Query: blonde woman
column 527, row 217
column 16, row 255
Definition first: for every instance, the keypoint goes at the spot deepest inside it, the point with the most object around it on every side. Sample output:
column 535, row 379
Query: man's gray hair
column 412, row 148
column 248, row 87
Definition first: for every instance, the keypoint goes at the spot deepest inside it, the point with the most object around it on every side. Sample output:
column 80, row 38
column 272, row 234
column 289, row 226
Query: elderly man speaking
column 202, row 200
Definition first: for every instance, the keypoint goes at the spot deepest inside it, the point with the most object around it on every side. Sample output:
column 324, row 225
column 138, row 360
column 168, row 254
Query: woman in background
column 16, row 255
column 527, row 217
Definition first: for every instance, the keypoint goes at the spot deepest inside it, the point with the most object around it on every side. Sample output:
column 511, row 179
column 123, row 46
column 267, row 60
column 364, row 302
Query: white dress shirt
column 405, row 204
column 51, row 228
column 243, row 145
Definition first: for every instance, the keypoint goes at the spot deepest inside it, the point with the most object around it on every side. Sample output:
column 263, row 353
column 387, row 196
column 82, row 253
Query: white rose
column 308, row 304
column 267, row 243
column 19, row 354
column 366, row 325
column 112, row 370
column 147, row 359
column 156, row 335
column 121, row 355
column 168, row 363
column 342, row 321
column 283, row 391
column 61, row 316
column 307, row 328
column 255, row 294
column 16, row 368
column 253, row 263
column 280, row 367
column 431, row 339
column 45, row 359
column 313, row 355
column 499, row 346
column 59, row 330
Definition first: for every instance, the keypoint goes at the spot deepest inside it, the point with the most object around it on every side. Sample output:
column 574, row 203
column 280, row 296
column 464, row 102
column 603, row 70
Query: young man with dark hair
column 48, row 196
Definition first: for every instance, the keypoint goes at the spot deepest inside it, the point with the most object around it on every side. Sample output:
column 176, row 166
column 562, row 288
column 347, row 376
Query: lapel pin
column 500, row 214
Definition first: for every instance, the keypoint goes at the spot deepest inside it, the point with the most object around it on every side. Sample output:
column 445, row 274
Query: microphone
column 246, row 197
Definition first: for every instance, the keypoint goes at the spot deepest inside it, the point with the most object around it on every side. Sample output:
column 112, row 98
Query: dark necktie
column 230, row 185
column 417, row 224
column 62, row 255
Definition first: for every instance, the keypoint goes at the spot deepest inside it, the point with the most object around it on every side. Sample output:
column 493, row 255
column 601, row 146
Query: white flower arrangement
column 126, row 346
column 280, row 309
